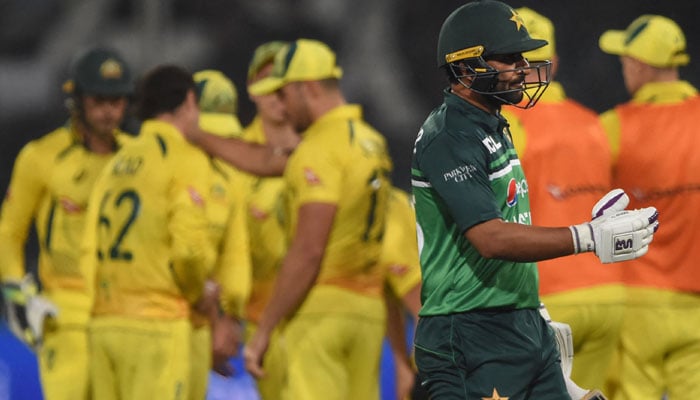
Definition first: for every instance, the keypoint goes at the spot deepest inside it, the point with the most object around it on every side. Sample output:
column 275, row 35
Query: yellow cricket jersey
column 268, row 241
column 343, row 161
column 226, row 212
column 51, row 183
column 147, row 235
column 399, row 257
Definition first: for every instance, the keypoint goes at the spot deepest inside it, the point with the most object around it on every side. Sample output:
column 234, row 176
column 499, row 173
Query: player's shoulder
column 449, row 128
column 49, row 144
column 123, row 137
column 59, row 136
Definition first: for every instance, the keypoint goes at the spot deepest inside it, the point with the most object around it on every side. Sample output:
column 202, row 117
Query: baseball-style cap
column 99, row 71
column 299, row 61
column 263, row 55
column 540, row 27
column 218, row 103
column 652, row 39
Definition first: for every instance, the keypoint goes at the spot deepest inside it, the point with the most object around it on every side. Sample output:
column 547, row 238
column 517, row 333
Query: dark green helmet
column 490, row 30
column 100, row 71
column 483, row 28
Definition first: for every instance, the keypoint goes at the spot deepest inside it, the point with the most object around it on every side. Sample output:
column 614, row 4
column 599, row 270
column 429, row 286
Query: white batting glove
column 616, row 234
column 616, row 200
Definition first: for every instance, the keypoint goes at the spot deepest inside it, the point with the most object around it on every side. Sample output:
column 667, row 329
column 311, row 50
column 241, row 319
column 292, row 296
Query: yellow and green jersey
column 268, row 241
column 399, row 257
column 147, row 235
column 343, row 161
column 228, row 232
column 51, row 183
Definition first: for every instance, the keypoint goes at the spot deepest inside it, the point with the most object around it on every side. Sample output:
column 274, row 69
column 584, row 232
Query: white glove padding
column 616, row 234
column 622, row 236
column 565, row 342
column 616, row 200
column 27, row 311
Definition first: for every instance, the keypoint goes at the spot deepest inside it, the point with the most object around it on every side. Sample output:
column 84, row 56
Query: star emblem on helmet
column 517, row 19
column 495, row 396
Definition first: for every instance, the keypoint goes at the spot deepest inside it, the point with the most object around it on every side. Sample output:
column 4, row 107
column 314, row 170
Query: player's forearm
column 294, row 282
column 502, row 240
column 11, row 257
column 250, row 157
column 395, row 330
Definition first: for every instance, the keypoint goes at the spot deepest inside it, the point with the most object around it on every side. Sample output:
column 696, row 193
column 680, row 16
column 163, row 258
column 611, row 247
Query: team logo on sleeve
column 311, row 177
column 197, row 198
column 398, row 269
column 512, row 194
column 258, row 213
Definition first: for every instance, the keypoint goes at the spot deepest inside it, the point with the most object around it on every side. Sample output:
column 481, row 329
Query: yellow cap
column 540, row 27
column 652, row 39
column 263, row 55
column 218, row 103
column 299, row 61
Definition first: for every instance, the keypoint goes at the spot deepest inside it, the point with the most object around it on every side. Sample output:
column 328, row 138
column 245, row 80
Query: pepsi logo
column 512, row 194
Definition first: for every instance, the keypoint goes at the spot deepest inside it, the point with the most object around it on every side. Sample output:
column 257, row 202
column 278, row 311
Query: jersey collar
column 664, row 92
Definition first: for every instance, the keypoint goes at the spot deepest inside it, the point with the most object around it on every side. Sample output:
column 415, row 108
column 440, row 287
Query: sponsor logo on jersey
column 660, row 193
column 258, row 213
column 70, row 206
column 523, row 218
column 562, row 193
column 311, row 177
column 197, row 198
column 460, row 174
column 491, row 144
column 512, row 194
column 398, row 269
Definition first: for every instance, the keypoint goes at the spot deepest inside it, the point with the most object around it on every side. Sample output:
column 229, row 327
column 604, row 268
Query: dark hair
column 162, row 90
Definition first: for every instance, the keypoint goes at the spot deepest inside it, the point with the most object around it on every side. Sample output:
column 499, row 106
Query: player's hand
column 254, row 352
column 27, row 311
column 227, row 335
column 208, row 303
column 616, row 234
column 405, row 378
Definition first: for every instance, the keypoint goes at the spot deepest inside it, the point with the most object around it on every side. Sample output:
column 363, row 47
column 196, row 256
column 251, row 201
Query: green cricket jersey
column 465, row 171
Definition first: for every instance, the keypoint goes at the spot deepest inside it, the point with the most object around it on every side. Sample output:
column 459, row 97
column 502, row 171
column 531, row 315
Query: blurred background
column 387, row 49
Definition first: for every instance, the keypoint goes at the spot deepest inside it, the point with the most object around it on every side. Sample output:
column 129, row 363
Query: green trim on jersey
column 465, row 171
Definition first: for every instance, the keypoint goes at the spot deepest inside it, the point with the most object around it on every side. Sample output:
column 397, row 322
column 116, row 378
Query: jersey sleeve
column 400, row 246
column 87, row 264
column 456, row 166
column 234, row 271
column 26, row 189
column 192, row 252
column 316, row 178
